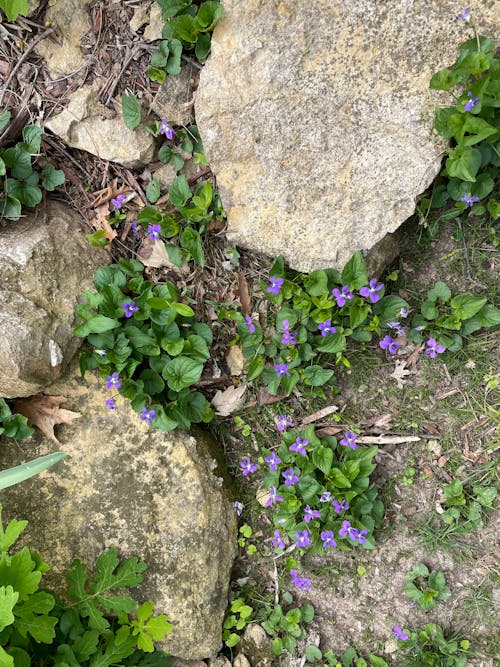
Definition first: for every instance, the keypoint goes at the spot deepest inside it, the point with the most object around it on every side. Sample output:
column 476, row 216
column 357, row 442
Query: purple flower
column 288, row 338
column 328, row 541
column 275, row 285
column 419, row 328
column 147, row 415
column 299, row 446
column 326, row 328
column 118, row 202
column 325, row 497
column 469, row 200
column 349, row 440
column 130, row 307
column 464, row 15
column 110, row 404
column 303, row 538
column 285, row 326
column 389, row 344
column 282, row 422
column 281, row 369
column 361, row 536
column 433, row 348
column 135, row 228
column 247, row 466
column 273, row 497
column 397, row 327
column 343, row 295
column 101, row 353
column 290, row 477
column 250, row 324
column 473, row 102
column 300, row 582
column 371, row 290
column 340, row 506
column 114, row 381
column 399, row 632
column 352, row 533
column 154, row 232
column 310, row 514
column 273, row 461
column 346, row 526
column 404, row 312
column 167, row 130
column 277, row 540
column 238, row 507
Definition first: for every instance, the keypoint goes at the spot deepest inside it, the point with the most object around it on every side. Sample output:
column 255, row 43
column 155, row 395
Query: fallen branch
column 387, row 439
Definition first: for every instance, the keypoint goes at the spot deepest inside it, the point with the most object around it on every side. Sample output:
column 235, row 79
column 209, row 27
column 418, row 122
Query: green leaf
column 156, row 74
column 317, row 376
column 96, row 324
column 182, row 372
column 27, row 194
column 208, row 15
column 4, row 118
column 485, row 495
column 131, row 111
column 153, row 382
column 32, row 136
column 10, row 208
column 339, row 479
column 322, row 457
column 488, row 316
column 316, row 283
column 179, row 191
column 153, row 190
column 51, row 177
column 255, row 367
column 354, row 273
column 9, row 536
column 440, row 292
column 183, row 309
column 429, row 310
column 202, row 48
column 467, row 305
column 26, row 470
column 445, row 79
column 173, row 65
column 463, row 162
column 388, row 308
column 190, row 239
column 476, row 129
column 8, row 600
column 13, row 8
column 313, row 653
column 31, row 616
column 185, row 28
column 377, row 661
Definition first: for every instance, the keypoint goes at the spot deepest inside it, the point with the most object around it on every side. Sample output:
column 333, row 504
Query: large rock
column 45, row 264
column 71, row 21
column 81, row 125
column 316, row 118
column 153, row 495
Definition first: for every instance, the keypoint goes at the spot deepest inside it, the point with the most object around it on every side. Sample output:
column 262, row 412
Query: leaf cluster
column 159, row 353
column 466, row 506
column 350, row 658
column 20, row 182
column 285, row 623
column 431, row 647
column 448, row 318
column 95, row 630
column 473, row 160
column 327, row 467
column 305, row 301
column 238, row 616
column 187, row 27
column 426, row 588
column 13, row 425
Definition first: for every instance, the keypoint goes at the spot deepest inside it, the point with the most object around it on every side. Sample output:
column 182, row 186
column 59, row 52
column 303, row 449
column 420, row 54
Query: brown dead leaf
column 442, row 460
column 399, row 372
column 44, row 413
column 244, row 294
column 379, row 423
column 154, row 253
column 320, row 414
column 105, row 195
column 235, row 360
column 101, row 221
column 328, row 430
column 431, row 428
column 413, row 358
column 228, row 401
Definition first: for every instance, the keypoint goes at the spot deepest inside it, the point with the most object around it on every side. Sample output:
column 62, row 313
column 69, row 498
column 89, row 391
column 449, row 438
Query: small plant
column 426, row 588
column 13, row 425
column 472, row 124
column 36, row 628
column 187, row 26
column 350, row 658
column 146, row 344
column 237, row 618
column 466, row 506
column 285, row 623
column 18, row 180
column 245, row 533
column 429, row 646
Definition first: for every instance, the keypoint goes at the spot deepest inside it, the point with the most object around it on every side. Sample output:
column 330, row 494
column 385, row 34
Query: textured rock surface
column 81, row 126
column 45, row 264
column 70, row 18
column 317, row 119
column 153, row 495
column 174, row 99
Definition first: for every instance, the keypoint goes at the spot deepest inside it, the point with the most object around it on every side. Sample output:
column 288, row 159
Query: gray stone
column 154, row 28
column 166, row 174
column 82, row 126
column 317, row 119
column 45, row 264
column 71, row 21
column 158, row 496
column 256, row 644
column 174, row 99
column 241, row 661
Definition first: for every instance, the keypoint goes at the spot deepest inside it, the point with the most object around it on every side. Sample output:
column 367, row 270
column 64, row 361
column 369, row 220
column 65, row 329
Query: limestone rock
column 174, row 99
column 71, row 20
column 256, row 644
column 241, row 661
column 154, row 28
column 81, row 126
column 45, row 265
column 317, row 119
column 158, row 496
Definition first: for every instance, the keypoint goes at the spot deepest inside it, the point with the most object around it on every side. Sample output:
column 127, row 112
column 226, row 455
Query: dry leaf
column 228, row 401
column 400, row 371
column 44, row 413
column 329, row 430
column 105, row 195
column 262, row 496
column 244, row 294
column 101, row 221
column 442, row 460
column 154, row 253
column 235, row 360
column 431, row 428
column 379, row 423
column 319, row 414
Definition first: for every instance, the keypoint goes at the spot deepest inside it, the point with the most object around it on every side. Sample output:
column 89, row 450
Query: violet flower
column 371, row 291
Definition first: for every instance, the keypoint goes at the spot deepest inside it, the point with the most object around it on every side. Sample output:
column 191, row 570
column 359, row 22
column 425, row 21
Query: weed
column 426, row 588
